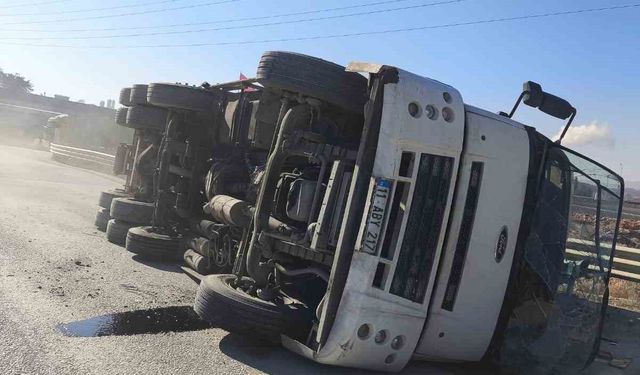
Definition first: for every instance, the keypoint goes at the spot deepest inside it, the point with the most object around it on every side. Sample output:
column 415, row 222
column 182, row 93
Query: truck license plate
column 375, row 221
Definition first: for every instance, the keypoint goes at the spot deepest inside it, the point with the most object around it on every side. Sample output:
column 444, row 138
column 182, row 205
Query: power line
column 123, row 14
column 32, row 4
column 88, row 10
column 254, row 18
column 366, row 13
column 334, row 36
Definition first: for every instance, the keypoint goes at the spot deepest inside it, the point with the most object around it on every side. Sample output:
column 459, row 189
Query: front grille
column 423, row 228
column 464, row 236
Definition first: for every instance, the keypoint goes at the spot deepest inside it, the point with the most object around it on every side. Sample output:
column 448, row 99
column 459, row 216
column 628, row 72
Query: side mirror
column 547, row 103
column 533, row 96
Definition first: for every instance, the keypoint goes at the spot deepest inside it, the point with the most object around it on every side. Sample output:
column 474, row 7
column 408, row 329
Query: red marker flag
column 244, row 78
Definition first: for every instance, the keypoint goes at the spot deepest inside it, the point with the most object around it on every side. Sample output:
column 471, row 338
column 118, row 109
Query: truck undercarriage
column 363, row 222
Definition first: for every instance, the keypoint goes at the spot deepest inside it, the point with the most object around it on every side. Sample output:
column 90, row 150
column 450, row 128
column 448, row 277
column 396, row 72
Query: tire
column 145, row 117
column 125, row 97
column 174, row 96
column 107, row 196
column 139, row 95
column 313, row 77
column 148, row 244
column 121, row 116
column 117, row 231
column 132, row 211
column 102, row 218
column 226, row 307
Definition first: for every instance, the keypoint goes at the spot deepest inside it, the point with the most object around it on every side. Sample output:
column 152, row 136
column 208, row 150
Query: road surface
column 55, row 267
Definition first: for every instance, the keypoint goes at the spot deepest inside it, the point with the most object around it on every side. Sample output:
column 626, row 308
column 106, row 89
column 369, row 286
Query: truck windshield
column 562, row 289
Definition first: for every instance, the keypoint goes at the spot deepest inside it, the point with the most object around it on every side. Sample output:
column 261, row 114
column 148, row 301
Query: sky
column 590, row 59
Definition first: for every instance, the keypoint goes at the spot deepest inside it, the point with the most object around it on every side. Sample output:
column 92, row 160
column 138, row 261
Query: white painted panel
column 464, row 333
column 400, row 129
column 361, row 303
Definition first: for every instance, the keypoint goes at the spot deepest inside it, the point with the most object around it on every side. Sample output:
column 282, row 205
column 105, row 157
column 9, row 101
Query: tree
column 15, row 82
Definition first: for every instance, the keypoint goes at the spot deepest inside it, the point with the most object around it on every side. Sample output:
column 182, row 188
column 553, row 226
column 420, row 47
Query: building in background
column 24, row 115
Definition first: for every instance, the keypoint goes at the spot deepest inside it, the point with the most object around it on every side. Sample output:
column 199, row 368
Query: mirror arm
column 513, row 111
column 566, row 127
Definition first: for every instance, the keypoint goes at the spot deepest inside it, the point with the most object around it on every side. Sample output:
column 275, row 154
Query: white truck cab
column 453, row 237
column 429, row 280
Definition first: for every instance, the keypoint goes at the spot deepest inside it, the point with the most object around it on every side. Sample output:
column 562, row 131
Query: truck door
column 562, row 292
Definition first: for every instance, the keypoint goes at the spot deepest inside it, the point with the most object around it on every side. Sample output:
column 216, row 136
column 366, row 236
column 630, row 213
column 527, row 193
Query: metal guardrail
column 82, row 155
column 28, row 109
column 626, row 264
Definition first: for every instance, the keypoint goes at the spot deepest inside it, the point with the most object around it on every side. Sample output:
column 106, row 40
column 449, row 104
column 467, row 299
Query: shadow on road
column 168, row 267
column 621, row 333
column 272, row 359
column 620, row 341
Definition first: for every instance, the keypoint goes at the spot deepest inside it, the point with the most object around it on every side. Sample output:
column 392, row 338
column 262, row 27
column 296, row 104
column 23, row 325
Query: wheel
column 102, row 218
column 145, row 117
column 121, row 116
column 107, row 196
column 117, row 231
column 132, row 211
column 149, row 243
column 174, row 96
column 224, row 303
column 313, row 77
column 139, row 94
column 125, row 97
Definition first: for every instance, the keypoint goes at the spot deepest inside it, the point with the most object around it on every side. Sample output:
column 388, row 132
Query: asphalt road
column 55, row 267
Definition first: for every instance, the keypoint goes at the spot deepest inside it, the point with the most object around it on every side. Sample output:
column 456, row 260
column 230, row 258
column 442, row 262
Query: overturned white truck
column 379, row 219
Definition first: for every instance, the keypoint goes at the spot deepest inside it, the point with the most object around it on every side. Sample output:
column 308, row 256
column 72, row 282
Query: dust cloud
column 594, row 133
